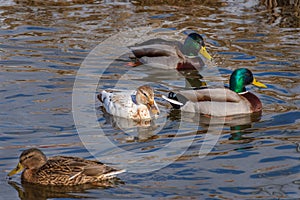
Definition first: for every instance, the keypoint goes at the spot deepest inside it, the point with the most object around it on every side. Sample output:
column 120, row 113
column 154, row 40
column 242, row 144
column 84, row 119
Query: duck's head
column 193, row 45
column 242, row 77
column 29, row 159
column 145, row 95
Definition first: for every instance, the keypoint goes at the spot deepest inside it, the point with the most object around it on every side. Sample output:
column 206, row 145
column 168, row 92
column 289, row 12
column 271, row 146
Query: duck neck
column 239, row 90
column 29, row 175
column 241, row 93
column 190, row 47
column 237, row 84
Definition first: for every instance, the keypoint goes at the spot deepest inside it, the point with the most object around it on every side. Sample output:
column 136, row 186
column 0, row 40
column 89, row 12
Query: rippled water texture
column 44, row 43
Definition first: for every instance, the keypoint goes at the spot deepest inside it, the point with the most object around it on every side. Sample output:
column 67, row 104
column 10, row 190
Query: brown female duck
column 61, row 170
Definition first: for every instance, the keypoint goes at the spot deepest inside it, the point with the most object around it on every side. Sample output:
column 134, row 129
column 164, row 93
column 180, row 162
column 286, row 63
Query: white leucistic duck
column 137, row 105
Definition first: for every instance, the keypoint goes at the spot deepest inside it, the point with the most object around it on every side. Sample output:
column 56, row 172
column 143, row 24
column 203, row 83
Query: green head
column 242, row 77
column 193, row 45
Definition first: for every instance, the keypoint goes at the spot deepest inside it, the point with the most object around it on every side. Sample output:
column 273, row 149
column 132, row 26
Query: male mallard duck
column 172, row 54
column 221, row 101
column 61, row 170
column 137, row 105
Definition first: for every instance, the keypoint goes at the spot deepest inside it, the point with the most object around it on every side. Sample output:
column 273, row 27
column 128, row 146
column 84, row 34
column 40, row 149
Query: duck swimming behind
column 136, row 105
column 220, row 101
column 61, row 170
column 172, row 54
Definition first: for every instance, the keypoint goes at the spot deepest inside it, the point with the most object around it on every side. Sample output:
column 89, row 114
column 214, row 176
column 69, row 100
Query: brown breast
column 185, row 66
column 190, row 64
column 256, row 105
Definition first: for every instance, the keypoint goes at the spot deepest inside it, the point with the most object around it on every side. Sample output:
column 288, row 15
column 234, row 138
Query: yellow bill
column 258, row 84
column 205, row 53
column 16, row 170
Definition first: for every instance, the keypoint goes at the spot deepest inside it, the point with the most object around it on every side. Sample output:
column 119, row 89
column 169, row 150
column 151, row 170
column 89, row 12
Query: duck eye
column 145, row 94
column 25, row 158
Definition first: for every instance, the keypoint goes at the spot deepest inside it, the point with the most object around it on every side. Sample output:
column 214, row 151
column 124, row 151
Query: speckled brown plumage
column 61, row 170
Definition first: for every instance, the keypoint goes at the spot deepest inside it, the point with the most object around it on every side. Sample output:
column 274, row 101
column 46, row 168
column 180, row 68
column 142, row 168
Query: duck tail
column 102, row 96
column 112, row 174
column 173, row 100
column 99, row 96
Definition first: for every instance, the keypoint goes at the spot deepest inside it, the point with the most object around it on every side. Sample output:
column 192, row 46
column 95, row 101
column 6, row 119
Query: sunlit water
column 43, row 44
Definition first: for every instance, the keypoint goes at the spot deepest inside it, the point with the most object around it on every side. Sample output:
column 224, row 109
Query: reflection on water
column 134, row 131
column 43, row 43
column 27, row 191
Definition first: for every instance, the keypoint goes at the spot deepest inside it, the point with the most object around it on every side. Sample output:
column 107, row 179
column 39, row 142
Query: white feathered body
column 123, row 104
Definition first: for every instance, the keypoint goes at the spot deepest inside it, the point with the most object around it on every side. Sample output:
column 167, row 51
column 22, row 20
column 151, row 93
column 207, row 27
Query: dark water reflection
column 32, row 192
column 43, row 43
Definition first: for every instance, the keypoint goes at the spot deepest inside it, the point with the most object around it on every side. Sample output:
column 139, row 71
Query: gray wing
column 154, row 50
column 210, row 94
column 160, row 41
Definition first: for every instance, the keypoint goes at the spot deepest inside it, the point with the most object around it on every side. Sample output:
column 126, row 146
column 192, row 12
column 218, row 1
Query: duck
column 61, row 170
column 136, row 104
column 222, row 101
column 172, row 54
